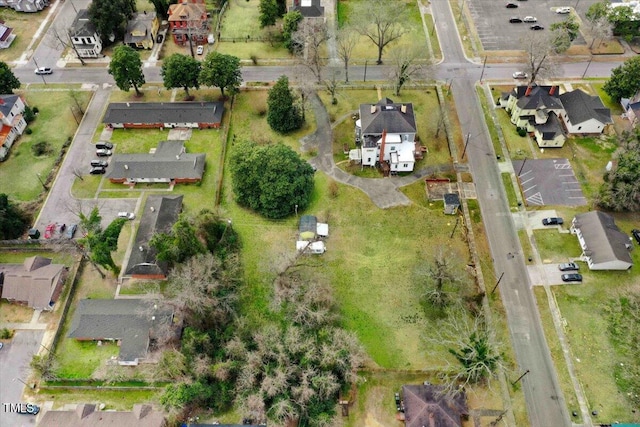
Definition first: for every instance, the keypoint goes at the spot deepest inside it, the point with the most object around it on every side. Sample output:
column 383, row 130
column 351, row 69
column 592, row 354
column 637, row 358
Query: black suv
column 552, row 221
column 636, row 235
column 104, row 145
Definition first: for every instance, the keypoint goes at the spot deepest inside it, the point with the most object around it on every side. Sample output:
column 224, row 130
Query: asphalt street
column 15, row 357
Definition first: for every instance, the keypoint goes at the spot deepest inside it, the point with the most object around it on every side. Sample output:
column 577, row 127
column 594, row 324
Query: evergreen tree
column 283, row 114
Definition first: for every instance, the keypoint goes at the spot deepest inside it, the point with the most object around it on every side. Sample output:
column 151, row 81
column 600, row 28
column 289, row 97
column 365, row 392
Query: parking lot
column 491, row 19
column 549, row 182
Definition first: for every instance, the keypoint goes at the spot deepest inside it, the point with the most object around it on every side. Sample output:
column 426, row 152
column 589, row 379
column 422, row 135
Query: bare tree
column 474, row 346
column 332, row 84
column 346, row 40
column 382, row 21
column 438, row 280
column 308, row 40
column 62, row 38
column 600, row 29
column 407, row 64
column 540, row 49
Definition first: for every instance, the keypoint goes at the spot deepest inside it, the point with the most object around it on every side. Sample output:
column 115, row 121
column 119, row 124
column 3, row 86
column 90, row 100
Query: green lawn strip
column 557, row 247
column 557, row 353
column 462, row 28
column 488, row 118
column 119, row 400
column 248, row 50
column 526, row 246
column 79, row 359
column 142, row 287
column 53, row 124
column 433, row 35
column 611, row 104
column 418, row 195
column 519, row 146
column 511, row 192
column 589, row 158
column 18, row 256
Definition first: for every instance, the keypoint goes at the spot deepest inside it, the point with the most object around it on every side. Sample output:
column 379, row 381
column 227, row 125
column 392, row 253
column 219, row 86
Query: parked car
column 49, row 231
column 515, row 20
column 127, row 215
column 159, row 38
column 29, row 409
column 520, row 75
column 568, row 266
column 552, row 221
column 104, row 145
column 103, row 152
column 43, row 70
column 636, row 235
column 537, row 27
column 200, row 50
column 530, row 19
column 572, row 277
column 99, row 162
column 71, row 231
column 563, row 10
column 1, row 345
column 511, row 6
column 97, row 170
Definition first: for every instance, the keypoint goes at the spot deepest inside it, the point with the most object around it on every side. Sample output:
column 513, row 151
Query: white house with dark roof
column 584, row 113
column 202, row 115
column 133, row 323
column 158, row 216
column 169, row 163
column 604, row 246
column 388, row 128
column 12, row 122
column 86, row 41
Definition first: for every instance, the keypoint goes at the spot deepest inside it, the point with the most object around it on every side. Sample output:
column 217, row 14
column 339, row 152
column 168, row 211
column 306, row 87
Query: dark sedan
column 537, row 27
column 572, row 277
column 511, row 6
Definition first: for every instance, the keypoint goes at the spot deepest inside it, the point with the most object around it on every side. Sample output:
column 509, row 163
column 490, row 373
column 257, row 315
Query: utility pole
column 38, row 67
column 497, row 283
column 484, row 64
column 454, row 227
column 365, row 71
column 465, row 146
column 522, row 167
column 520, row 377
column 589, row 63
column 44, row 187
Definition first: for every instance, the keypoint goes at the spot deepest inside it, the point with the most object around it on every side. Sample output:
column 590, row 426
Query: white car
column 127, row 215
column 43, row 70
column 200, row 50
column 530, row 19
column 520, row 75
column 563, row 10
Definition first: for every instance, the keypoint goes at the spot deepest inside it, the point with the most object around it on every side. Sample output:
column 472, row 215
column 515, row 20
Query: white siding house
column 604, row 246
column 583, row 113
column 86, row 41
column 387, row 132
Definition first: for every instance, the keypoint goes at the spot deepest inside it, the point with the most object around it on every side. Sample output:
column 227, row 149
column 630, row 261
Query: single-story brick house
column 170, row 163
column 201, row 115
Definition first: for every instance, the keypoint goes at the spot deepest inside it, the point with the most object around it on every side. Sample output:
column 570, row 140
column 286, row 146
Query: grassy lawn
column 511, row 192
column 556, row 247
column 14, row 313
column 54, row 124
column 78, row 359
column 113, row 399
column 435, row 43
column 519, row 146
column 24, row 26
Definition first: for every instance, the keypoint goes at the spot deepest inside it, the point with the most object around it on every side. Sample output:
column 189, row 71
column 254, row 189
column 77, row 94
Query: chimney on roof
column 1, row 101
column 528, row 92
column 552, row 91
column 373, row 109
column 403, row 108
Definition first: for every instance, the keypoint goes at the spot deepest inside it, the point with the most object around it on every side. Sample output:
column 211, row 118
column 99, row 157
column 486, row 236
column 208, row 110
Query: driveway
column 14, row 368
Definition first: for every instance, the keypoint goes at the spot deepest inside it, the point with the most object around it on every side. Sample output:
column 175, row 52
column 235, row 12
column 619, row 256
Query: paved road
column 14, row 368
column 545, row 402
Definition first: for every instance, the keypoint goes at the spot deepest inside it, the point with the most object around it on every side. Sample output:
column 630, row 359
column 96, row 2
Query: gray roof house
column 87, row 415
column 86, row 41
column 429, row 405
column 36, row 282
column 159, row 215
column 132, row 322
column 584, row 113
column 25, row 5
column 604, row 246
column 6, row 35
column 141, row 30
column 202, row 115
column 169, row 163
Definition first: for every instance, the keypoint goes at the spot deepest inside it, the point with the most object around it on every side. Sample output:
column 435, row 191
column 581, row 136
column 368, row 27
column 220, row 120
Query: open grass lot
column 54, row 124
column 14, row 313
column 24, row 26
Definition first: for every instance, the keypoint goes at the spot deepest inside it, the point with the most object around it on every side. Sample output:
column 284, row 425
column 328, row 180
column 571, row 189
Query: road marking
column 530, row 188
column 524, row 182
